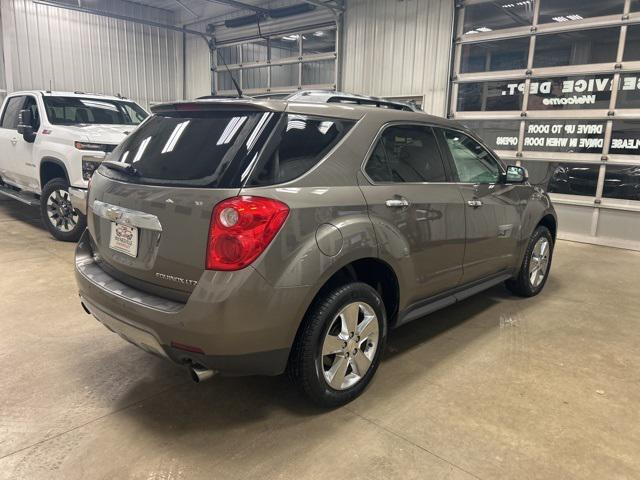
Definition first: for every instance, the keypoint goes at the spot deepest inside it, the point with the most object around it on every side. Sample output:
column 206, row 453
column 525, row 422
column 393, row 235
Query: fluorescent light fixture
column 567, row 18
column 230, row 131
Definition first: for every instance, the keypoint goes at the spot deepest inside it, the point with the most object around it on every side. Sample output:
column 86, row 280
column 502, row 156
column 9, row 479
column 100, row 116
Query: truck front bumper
column 79, row 199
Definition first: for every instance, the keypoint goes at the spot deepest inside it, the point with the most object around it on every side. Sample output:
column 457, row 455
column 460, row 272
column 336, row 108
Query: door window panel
column 407, row 153
column 494, row 56
column 568, row 136
column 498, row 134
column 625, row 137
column 486, row 17
column 562, row 11
column 622, row 181
column 598, row 45
column 11, row 112
column 629, row 92
column 567, row 178
column 570, row 93
column 631, row 50
column 473, row 162
column 490, row 96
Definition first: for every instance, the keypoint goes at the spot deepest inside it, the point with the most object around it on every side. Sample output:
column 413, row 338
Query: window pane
column 622, row 181
column 489, row 96
column 473, row 163
column 493, row 56
column 586, row 136
column 81, row 110
column 577, row 48
column 571, row 10
column 11, row 111
column 631, row 50
column 635, row 5
column 299, row 143
column 316, row 73
column 284, row 75
column 254, row 52
column 625, row 137
column 321, row 41
column 407, row 154
column 284, row 47
column 629, row 92
column 498, row 134
column 224, row 79
column 567, row 178
column 486, row 17
column 229, row 54
column 569, row 93
column 255, row 77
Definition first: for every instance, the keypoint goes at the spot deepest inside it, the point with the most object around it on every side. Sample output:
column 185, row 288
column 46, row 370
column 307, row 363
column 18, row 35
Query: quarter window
column 473, row 162
column 406, row 153
column 11, row 112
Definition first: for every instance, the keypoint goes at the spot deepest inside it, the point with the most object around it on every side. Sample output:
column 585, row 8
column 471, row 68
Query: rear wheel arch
column 50, row 168
column 370, row 270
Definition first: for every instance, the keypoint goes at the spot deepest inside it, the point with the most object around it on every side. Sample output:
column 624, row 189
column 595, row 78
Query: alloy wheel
column 60, row 211
column 350, row 345
column 539, row 263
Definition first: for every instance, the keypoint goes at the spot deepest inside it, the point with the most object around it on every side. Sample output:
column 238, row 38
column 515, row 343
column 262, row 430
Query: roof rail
column 330, row 96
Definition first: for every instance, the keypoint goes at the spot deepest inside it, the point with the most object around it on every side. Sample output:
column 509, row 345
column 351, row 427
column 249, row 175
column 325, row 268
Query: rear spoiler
column 221, row 104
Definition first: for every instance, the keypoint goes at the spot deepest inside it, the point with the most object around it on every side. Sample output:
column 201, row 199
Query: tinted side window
column 406, row 153
column 11, row 111
column 298, row 144
column 473, row 162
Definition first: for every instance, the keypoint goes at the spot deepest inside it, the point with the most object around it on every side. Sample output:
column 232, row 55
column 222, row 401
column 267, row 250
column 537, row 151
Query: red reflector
column 241, row 229
column 186, row 348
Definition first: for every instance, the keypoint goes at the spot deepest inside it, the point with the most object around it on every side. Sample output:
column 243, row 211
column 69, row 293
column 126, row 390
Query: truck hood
column 111, row 134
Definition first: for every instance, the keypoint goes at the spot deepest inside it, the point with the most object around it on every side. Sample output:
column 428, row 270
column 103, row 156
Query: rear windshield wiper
column 120, row 167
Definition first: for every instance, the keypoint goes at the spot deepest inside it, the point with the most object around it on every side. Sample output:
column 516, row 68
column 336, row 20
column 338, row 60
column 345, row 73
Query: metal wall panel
column 394, row 48
column 47, row 47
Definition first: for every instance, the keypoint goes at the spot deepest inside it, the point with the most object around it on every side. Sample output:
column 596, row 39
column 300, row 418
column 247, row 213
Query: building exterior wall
column 46, row 47
column 399, row 48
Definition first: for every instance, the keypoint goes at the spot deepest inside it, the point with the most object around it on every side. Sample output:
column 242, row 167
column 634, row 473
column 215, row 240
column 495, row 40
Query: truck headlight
column 89, row 165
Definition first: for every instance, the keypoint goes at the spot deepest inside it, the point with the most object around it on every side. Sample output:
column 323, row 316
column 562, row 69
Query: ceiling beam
column 241, row 5
column 190, row 10
column 330, row 5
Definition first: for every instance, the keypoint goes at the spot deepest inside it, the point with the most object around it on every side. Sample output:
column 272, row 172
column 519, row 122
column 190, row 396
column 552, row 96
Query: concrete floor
column 495, row 387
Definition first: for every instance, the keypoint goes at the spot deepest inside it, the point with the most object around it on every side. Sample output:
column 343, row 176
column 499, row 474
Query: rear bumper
column 79, row 199
column 235, row 322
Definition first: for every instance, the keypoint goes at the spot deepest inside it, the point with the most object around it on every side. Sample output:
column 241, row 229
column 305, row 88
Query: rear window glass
column 298, row 144
column 194, row 148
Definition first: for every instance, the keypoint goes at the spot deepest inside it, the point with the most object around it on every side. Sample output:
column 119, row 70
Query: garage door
column 554, row 85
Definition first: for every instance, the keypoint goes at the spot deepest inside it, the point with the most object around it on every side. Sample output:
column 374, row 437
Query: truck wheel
column 61, row 219
column 339, row 345
column 535, row 266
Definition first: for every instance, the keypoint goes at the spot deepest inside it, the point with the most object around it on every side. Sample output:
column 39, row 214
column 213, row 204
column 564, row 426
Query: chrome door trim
column 126, row 216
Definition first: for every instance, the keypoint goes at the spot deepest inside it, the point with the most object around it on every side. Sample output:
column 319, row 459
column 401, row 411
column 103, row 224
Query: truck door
column 9, row 140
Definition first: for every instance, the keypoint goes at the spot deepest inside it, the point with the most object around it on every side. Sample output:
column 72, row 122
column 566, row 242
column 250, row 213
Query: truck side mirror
column 24, row 126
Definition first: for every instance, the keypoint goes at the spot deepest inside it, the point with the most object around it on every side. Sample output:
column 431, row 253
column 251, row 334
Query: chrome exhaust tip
column 200, row 374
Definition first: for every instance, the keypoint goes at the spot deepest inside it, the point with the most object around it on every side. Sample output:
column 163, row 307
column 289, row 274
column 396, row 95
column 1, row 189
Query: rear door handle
column 474, row 203
column 397, row 203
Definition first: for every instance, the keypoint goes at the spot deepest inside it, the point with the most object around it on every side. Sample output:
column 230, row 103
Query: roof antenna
column 233, row 79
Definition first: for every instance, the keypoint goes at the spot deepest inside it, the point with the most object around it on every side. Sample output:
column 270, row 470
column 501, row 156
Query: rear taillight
column 240, row 230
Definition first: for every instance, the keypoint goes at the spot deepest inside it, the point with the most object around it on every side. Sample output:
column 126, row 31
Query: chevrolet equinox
column 260, row 235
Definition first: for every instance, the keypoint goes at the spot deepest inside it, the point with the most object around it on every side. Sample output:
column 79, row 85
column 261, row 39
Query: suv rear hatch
column 151, row 201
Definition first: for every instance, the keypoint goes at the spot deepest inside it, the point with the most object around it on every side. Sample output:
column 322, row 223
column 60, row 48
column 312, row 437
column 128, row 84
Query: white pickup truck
column 50, row 144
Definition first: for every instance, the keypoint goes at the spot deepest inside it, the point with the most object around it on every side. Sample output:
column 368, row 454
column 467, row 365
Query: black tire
column 521, row 284
column 305, row 361
column 65, row 231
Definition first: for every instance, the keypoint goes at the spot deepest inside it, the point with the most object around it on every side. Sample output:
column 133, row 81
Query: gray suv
column 258, row 236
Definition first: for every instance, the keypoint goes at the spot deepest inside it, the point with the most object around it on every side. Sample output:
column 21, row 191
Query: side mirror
column 24, row 126
column 517, row 174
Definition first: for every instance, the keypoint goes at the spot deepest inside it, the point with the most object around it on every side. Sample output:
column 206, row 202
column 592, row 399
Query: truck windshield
column 82, row 111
